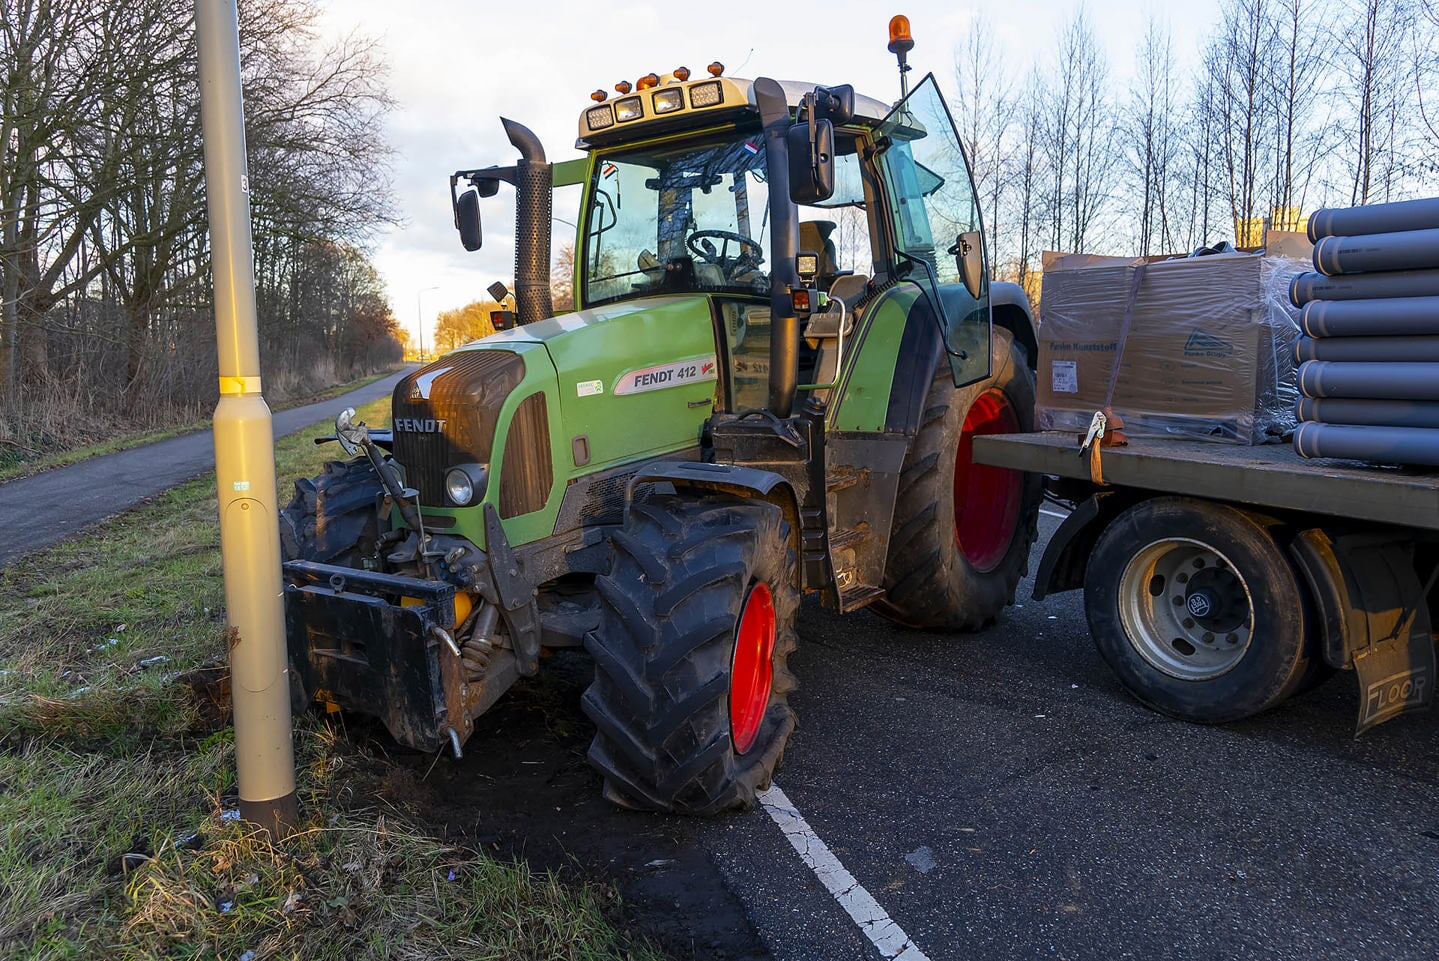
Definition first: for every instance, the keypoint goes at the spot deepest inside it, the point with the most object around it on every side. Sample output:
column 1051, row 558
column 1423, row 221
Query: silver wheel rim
column 1185, row 609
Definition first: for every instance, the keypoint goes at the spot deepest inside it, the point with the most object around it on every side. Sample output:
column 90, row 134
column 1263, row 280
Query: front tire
column 690, row 696
column 962, row 531
column 1197, row 610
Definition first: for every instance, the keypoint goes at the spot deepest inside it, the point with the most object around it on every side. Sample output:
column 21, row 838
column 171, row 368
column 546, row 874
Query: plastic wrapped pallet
column 1189, row 347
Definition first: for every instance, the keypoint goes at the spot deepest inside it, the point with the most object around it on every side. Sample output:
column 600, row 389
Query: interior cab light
column 623, row 86
column 647, row 81
column 682, row 74
column 715, row 69
column 599, row 96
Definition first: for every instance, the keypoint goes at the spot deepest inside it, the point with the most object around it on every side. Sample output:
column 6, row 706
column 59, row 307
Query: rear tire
column 962, row 531
column 1197, row 610
column 690, row 696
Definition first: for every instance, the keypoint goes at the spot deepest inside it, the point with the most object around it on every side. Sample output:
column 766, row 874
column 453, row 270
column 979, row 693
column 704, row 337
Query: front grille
column 465, row 391
column 527, row 469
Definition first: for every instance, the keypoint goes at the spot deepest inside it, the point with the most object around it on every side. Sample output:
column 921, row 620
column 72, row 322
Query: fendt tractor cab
column 783, row 340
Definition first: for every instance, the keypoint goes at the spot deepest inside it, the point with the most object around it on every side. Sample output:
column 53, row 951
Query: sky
column 456, row 67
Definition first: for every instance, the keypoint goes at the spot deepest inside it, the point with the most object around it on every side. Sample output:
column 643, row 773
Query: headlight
column 629, row 108
column 599, row 118
column 465, row 484
column 672, row 98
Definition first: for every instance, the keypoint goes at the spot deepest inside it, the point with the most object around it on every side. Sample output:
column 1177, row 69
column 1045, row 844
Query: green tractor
column 783, row 340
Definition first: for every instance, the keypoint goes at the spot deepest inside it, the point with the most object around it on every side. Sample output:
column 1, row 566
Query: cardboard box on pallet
column 1206, row 350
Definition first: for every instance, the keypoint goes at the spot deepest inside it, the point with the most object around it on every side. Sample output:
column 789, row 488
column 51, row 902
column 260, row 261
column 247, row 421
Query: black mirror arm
column 936, row 306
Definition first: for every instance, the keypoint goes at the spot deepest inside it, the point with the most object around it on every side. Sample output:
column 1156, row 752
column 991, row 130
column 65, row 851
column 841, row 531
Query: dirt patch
column 523, row 790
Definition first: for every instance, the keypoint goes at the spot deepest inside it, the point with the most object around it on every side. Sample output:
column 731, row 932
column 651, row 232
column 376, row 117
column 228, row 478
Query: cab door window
column 933, row 206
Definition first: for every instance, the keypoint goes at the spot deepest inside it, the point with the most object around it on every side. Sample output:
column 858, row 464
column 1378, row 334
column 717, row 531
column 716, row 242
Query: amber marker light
column 623, row 86
column 900, row 40
column 599, row 96
column 716, row 68
column 647, row 81
column 682, row 74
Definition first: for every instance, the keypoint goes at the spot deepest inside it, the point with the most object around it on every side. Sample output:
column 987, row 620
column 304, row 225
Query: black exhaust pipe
column 533, row 200
column 784, row 245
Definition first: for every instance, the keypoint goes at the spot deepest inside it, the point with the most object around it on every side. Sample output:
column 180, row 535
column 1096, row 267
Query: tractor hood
column 633, row 379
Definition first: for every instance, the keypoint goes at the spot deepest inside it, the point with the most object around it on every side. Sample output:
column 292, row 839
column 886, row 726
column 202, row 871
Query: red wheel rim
column 751, row 672
column 986, row 499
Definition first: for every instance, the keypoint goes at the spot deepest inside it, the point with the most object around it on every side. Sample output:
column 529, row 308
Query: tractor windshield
column 678, row 218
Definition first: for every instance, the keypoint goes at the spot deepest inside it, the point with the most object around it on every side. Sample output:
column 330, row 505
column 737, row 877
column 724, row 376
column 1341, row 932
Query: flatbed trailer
column 1220, row 580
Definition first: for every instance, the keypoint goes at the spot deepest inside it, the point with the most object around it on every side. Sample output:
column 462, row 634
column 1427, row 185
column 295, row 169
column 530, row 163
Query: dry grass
column 65, row 428
column 115, row 797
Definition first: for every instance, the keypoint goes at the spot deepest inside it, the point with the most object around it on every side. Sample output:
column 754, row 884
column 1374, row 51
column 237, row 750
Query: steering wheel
column 749, row 255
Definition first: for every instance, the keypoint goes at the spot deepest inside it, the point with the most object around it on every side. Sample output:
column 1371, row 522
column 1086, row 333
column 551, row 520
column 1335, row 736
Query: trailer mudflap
column 375, row 657
column 1373, row 617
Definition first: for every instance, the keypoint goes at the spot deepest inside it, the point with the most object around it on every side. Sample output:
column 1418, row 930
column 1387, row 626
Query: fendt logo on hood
column 420, row 425
column 420, row 389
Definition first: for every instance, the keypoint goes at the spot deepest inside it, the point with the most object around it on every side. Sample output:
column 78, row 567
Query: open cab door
column 939, row 239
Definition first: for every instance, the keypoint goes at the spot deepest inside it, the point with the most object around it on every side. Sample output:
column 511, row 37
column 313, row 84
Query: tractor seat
column 843, row 285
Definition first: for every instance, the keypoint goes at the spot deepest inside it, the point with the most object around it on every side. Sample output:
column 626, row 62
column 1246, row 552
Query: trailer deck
column 1270, row 475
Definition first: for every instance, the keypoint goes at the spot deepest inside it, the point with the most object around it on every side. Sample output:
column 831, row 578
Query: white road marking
column 858, row 903
column 1050, row 513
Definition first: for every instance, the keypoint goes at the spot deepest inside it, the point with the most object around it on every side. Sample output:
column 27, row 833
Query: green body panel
column 864, row 401
column 578, row 361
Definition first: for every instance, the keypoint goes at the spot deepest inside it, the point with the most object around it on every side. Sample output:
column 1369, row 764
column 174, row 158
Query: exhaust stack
column 533, row 209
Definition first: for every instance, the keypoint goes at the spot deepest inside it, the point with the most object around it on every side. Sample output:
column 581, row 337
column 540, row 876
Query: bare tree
column 1150, row 140
column 982, row 115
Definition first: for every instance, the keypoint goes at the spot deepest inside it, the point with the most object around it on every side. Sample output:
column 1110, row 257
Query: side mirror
column 811, row 166
column 467, row 219
column 840, row 108
column 968, row 253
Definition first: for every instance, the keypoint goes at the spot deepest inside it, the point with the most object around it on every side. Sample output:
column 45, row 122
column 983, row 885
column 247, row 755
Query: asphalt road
column 1001, row 797
column 998, row 795
column 48, row 507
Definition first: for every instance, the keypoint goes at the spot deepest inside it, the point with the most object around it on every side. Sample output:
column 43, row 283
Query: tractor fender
column 1009, row 308
column 749, row 482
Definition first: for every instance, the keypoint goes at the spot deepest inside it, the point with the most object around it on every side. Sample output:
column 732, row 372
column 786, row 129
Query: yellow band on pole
column 239, row 385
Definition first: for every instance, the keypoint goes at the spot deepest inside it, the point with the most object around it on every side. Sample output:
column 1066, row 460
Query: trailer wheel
column 1197, row 610
column 962, row 531
column 691, row 688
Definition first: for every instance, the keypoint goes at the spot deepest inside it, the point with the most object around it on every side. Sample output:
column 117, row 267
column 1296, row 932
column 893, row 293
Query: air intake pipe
column 1374, row 218
column 1387, row 445
column 533, row 200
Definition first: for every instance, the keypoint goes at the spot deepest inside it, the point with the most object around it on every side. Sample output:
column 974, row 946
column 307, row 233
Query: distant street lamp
column 420, row 319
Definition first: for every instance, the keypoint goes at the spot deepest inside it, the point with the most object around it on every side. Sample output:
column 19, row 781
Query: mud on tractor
column 783, row 341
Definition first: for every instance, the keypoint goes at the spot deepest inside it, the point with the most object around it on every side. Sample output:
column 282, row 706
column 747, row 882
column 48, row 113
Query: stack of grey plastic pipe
column 1369, row 355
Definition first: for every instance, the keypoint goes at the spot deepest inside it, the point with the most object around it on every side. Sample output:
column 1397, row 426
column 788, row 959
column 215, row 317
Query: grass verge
column 18, row 461
column 116, row 796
